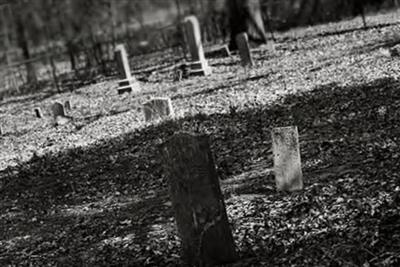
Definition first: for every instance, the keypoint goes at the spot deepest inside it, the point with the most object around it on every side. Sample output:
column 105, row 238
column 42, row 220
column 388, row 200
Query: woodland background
column 45, row 40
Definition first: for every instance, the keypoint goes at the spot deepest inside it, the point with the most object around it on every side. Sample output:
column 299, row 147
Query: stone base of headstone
column 197, row 200
column 158, row 108
column 199, row 68
column 222, row 51
column 287, row 162
column 127, row 86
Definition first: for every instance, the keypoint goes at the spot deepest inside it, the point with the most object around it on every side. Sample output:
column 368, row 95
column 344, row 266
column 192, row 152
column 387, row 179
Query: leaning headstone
column 67, row 105
column 58, row 110
column 287, row 162
column 197, row 200
column 158, row 108
column 127, row 82
column 198, row 63
column 242, row 42
column 38, row 113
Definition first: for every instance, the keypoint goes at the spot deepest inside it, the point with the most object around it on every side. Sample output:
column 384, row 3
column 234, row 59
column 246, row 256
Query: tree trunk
column 23, row 43
column 245, row 16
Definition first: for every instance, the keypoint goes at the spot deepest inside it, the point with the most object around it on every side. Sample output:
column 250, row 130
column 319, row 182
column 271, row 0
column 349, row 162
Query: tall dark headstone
column 196, row 196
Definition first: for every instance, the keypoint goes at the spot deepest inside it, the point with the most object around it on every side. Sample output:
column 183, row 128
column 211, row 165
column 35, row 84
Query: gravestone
column 158, row 108
column 242, row 42
column 127, row 82
column 38, row 113
column 197, row 200
column 198, row 63
column 287, row 163
column 58, row 110
column 1, row 131
column 67, row 105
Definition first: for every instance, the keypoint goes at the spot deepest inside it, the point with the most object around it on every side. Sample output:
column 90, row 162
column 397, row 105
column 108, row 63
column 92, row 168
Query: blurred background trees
column 84, row 33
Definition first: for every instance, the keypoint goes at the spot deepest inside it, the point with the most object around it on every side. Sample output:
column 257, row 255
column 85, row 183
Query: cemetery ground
column 92, row 192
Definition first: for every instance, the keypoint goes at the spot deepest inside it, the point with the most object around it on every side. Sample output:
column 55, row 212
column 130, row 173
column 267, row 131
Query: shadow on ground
column 108, row 204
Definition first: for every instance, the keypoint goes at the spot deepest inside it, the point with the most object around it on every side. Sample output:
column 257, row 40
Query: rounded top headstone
column 120, row 47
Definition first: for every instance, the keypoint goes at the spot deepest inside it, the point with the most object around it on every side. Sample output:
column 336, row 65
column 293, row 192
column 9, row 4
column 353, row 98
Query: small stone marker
column 198, row 64
column 38, row 113
column 58, row 110
column 127, row 83
column 287, row 163
column 67, row 105
column 158, row 108
column 197, row 201
column 242, row 42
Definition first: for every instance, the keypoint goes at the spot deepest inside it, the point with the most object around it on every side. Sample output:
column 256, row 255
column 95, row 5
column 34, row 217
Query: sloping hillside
column 92, row 192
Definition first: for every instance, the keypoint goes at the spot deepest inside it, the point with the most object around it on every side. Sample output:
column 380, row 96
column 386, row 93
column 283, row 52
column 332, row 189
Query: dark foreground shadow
column 108, row 204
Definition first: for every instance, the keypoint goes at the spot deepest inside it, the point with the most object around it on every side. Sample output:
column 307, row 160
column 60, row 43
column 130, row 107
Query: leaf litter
column 92, row 192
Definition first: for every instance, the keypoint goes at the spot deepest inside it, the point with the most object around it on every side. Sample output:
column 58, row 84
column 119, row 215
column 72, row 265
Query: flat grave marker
column 127, row 82
column 197, row 200
column 158, row 108
column 287, row 162
column 242, row 42
column 198, row 63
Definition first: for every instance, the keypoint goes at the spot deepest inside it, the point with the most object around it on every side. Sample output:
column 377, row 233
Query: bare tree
column 22, row 12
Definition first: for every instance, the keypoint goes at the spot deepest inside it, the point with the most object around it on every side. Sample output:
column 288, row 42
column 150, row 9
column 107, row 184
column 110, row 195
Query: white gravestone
column 198, row 64
column 127, row 82
column 158, row 108
column 242, row 42
column 287, row 162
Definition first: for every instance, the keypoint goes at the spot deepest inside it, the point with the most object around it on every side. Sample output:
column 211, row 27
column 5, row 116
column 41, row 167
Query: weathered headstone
column 58, row 110
column 67, row 105
column 198, row 64
column 242, row 42
column 38, row 113
column 287, row 162
column 127, row 82
column 1, row 131
column 158, row 108
column 197, row 200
